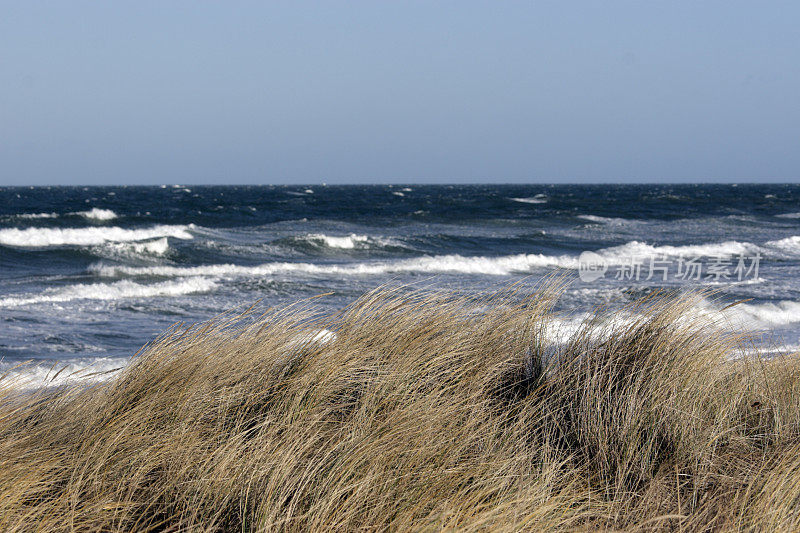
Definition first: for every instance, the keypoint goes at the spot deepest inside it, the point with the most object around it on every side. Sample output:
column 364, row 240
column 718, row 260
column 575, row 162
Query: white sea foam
column 322, row 336
column 41, row 237
column 560, row 329
column 98, row 214
column 603, row 220
column 777, row 350
column 33, row 216
column 156, row 247
column 74, row 371
column 767, row 314
column 538, row 199
column 493, row 266
column 112, row 291
column 789, row 244
column 789, row 215
column 347, row 242
column 636, row 249
column 432, row 264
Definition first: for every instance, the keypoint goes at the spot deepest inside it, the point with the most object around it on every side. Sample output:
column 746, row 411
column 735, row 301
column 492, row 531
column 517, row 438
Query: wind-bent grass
column 422, row 410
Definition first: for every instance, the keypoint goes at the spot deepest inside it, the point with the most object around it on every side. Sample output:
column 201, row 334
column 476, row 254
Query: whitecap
column 603, row 220
column 636, row 249
column 767, row 314
column 322, row 336
column 97, row 214
column 40, row 237
column 157, row 247
column 73, row 371
column 347, row 242
column 538, row 199
column 503, row 265
column 112, row 291
column 789, row 244
column 493, row 266
column 33, row 216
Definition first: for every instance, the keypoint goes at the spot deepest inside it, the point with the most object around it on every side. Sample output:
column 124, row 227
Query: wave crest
column 493, row 266
column 97, row 214
column 538, row 199
column 789, row 244
column 43, row 237
column 112, row 291
column 433, row 264
column 637, row 249
column 63, row 372
column 157, row 247
column 36, row 216
column 768, row 314
column 345, row 242
column 603, row 220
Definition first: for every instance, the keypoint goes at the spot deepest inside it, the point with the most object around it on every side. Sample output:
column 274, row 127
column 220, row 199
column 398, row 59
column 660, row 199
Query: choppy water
column 89, row 274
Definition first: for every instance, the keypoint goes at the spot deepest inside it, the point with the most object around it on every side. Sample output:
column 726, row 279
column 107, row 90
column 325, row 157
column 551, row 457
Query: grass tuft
column 417, row 410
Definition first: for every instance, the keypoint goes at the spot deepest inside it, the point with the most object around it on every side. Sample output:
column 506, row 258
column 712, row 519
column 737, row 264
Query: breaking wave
column 346, row 242
column 493, row 266
column 640, row 249
column 42, row 237
column 157, row 247
column 63, row 372
column 34, row 216
column 97, row 214
column 538, row 199
column 768, row 314
column 112, row 291
column 789, row 244
column 443, row 263
column 603, row 220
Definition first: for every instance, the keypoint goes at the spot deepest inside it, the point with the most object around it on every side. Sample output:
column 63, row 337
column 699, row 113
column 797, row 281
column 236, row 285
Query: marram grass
column 416, row 410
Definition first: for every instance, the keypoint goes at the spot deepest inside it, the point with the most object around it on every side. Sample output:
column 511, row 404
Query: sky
column 409, row 92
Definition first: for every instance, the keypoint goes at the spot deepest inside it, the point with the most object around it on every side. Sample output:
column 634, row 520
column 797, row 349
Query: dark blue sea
column 90, row 274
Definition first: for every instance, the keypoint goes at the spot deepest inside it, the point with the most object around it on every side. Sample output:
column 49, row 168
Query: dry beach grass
column 422, row 411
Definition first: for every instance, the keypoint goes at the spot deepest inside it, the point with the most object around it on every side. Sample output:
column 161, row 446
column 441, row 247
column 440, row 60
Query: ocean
column 88, row 275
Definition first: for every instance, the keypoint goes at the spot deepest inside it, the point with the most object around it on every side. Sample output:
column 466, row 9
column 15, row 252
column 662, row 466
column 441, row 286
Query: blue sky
column 305, row 92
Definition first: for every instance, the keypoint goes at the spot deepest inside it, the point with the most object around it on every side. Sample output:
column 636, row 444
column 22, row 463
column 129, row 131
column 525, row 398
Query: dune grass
column 417, row 410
